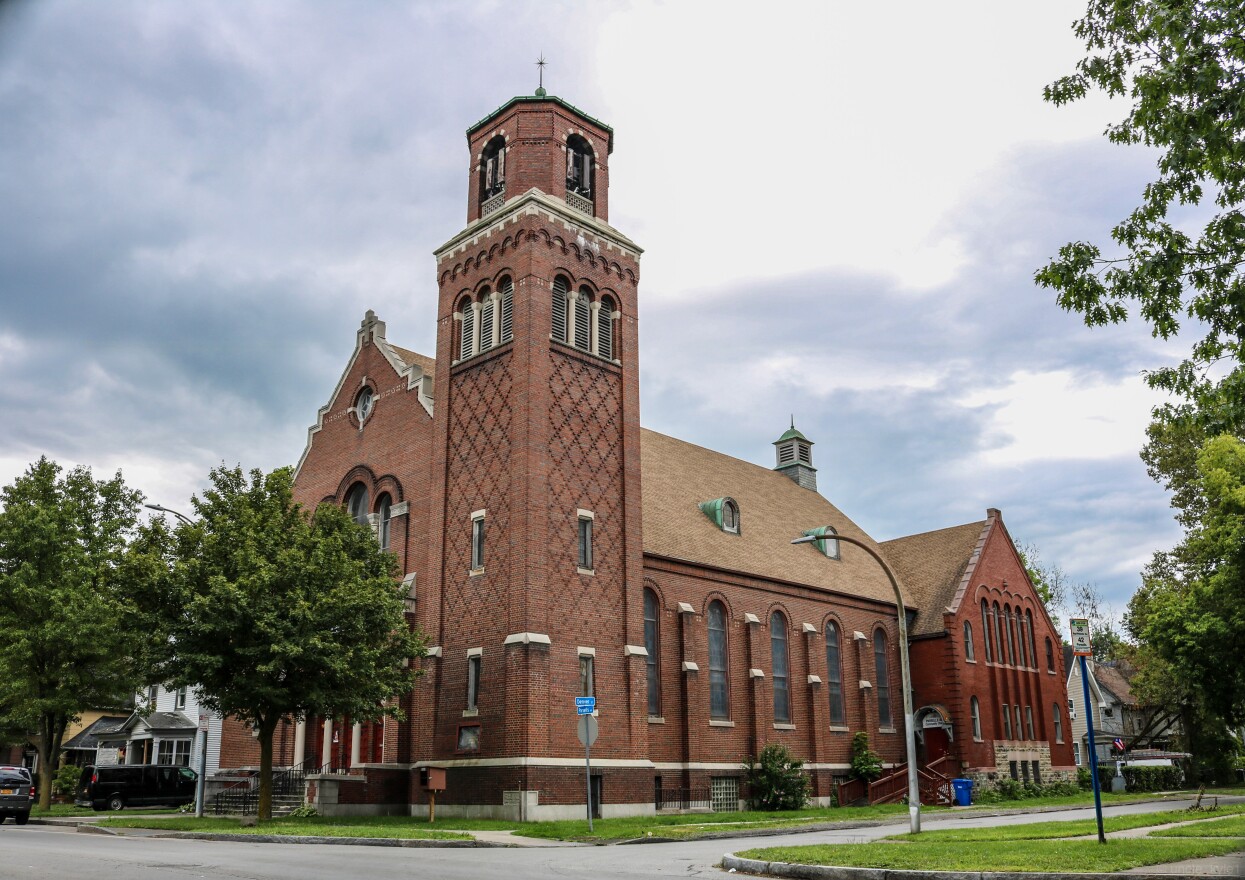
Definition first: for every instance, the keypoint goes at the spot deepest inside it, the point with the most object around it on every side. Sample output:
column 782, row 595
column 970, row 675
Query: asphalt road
column 42, row 852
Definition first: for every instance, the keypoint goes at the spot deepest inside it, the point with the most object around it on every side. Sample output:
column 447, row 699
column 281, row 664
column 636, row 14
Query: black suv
column 17, row 794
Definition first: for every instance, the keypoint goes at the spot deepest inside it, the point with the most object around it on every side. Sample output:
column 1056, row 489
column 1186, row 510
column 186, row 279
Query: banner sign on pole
column 1080, row 637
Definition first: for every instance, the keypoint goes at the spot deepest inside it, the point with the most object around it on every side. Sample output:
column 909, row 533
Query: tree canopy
column 274, row 614
column 65, row 610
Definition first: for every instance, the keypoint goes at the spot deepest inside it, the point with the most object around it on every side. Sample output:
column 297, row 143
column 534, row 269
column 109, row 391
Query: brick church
column 553, row 548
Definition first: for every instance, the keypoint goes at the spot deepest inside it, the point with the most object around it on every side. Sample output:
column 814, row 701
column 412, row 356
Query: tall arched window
column 579, row 166
column 605, row 328
column 974, row 709
column 1023, row 640
column 385, row 514
column 883, row 685
column 1050, row 656
column 356, row 503
column 985, row 631
column 493, row 168
column 996, row 626
column 486, row 319
column 1058, row 716
column 1008, row 622
column 968, row 641
column 778, row 659
column 466, row 347
column 719, row 690
column 583, row 318
column 652, row 643
column 560, row 289
column 834, row 671
column 1033, row 661
column 1007, row 723
column 506, row 286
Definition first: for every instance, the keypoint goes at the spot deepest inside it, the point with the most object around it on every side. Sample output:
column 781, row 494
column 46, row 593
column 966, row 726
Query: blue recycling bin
column 963, row 792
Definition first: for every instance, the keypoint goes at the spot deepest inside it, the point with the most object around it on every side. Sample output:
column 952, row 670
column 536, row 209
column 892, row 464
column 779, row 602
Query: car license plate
column 6, row 791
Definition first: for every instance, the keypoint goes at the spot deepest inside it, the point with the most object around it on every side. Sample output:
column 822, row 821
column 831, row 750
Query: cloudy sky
column 842, row 206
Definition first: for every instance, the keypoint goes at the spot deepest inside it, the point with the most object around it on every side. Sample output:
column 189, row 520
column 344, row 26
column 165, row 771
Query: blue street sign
column 585, row 705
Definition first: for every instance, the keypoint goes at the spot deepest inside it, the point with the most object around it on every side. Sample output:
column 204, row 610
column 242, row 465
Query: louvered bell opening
column 559, row 310
column 486, row 323
column 583, row 318
column 507, row 312
column 786, row 453
column 605, row 329
column 469, row 321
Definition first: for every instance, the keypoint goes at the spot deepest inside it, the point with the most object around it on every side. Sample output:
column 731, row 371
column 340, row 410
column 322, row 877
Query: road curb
column 405, row 843
column 733, row 862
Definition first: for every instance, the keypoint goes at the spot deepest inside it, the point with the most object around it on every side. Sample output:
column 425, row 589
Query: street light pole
column 187, row 520
column 914, row 790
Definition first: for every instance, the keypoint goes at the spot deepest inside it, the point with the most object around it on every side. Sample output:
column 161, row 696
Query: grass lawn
column 1074, row 828
column 1012, row 855
column 1233, row 827
column 74, row 810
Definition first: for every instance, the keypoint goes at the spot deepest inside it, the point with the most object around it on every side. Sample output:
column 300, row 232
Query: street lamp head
column 162, row 509
column 808, row 539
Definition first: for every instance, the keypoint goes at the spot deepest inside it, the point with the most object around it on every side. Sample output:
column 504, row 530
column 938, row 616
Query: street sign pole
column 588, row 779
column 586, row 728
column 203, row 746
column 1081, row 647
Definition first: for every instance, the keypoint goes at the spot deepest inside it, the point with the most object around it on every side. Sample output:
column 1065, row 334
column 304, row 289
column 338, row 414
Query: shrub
column 1153, row 778
column 303, row 811
column 866, row 763
column 65, row 782
column 776, row 780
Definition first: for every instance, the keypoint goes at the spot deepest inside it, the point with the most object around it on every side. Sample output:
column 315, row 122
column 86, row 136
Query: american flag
column 1119, row 744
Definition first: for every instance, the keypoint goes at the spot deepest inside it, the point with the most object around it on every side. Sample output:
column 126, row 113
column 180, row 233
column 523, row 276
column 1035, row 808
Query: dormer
column 539, row 142
column 794, row 453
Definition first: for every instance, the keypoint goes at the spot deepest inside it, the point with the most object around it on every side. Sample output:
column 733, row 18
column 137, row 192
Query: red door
column 936, row 744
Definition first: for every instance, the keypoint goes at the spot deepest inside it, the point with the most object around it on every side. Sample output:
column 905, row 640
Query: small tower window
column 486, row 320
column 579, row 166
column 493, row 168
column 583, row 318
column 507, row 309
column 560, row 288
column 467, row 340
column 605, row 328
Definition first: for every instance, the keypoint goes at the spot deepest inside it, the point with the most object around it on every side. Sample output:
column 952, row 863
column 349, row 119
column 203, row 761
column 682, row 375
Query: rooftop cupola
column 794, row 454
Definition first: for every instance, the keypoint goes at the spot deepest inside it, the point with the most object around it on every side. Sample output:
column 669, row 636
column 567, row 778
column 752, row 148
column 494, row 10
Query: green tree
column 776, row 780
column 65, row 609
column 274, row 614
column 866, row 764
column 1182, row 64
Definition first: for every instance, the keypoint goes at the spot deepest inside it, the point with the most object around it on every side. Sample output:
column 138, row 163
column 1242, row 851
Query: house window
column 1076, row 753
column 834, row 672
column 466, row 342
column 153, row 691
column 605, row 328
column 985, row 631
column 778, row 659
column 974, row 711
column 585, row 541
column 1050, row 656
column 587, row 687
column 473, row 679
column 652, row 644
column 1029, row 721
column 356, row 504
column 507, row 310
column 883, row 675
column 174, row 752
column 719, row 691
column 179, row 702
column 384, row 509
column 1058, row 716
column 561, row 287
column 579, row 166
column 968, row 642
column 493, row 167
column 730, row 517
column 477, row 541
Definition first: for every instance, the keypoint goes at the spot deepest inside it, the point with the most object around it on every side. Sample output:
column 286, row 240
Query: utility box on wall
column 432, row 778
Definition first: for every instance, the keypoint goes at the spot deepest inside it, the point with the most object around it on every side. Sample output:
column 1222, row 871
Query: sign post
column 587, row 732
column 1081, row 648
column 204, row 719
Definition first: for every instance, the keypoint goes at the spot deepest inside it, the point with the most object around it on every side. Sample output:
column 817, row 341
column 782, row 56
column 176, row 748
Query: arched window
column 834, row 671
column 730, row 517
column 1058, row 716
column 493, row 168
column 968, row 641
column 1023, row 640
column 384, row 509
column 719, row 690
column 883, row 684
column 1050, row 656
column 1008, row 622
column 506, row 286
column 985, row 631
column 356, row 503
column 1007, row 723
column 486, row 319
column 778, row 659
column 583, row 318
column 579, row 166
column 364, row 402
column 652, row 643
column 996, row 628
column 466, row 346
column 1032, row 641
column 560, row 288
column 605, row 328
column 974, row 710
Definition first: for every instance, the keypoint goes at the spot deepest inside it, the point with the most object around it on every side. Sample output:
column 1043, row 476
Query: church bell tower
column 537, row 463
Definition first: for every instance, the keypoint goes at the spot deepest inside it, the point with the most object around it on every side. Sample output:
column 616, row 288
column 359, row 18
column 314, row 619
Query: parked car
column 118, row 786
column 17, row 794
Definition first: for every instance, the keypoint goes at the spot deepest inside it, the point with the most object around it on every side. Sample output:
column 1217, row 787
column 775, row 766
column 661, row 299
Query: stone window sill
column 656, row 719
column 781, row 725
column 719, row 722
column 475, row 572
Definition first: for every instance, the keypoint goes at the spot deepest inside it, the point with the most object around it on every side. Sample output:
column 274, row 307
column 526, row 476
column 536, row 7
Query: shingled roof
column 931, row 566
column 678, row 476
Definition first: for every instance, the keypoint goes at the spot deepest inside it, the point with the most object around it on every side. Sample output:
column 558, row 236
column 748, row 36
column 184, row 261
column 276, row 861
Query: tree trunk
column 48, row 745
column 266, row 728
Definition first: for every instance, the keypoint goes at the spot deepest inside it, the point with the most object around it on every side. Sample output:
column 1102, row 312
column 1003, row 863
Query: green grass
column 1232, row 827
column 1074, row 828
column 315, row 826
column 1016, row 855
column 74, row 810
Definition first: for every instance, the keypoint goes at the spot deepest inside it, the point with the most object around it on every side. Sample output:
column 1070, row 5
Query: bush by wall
column 1153, row 778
